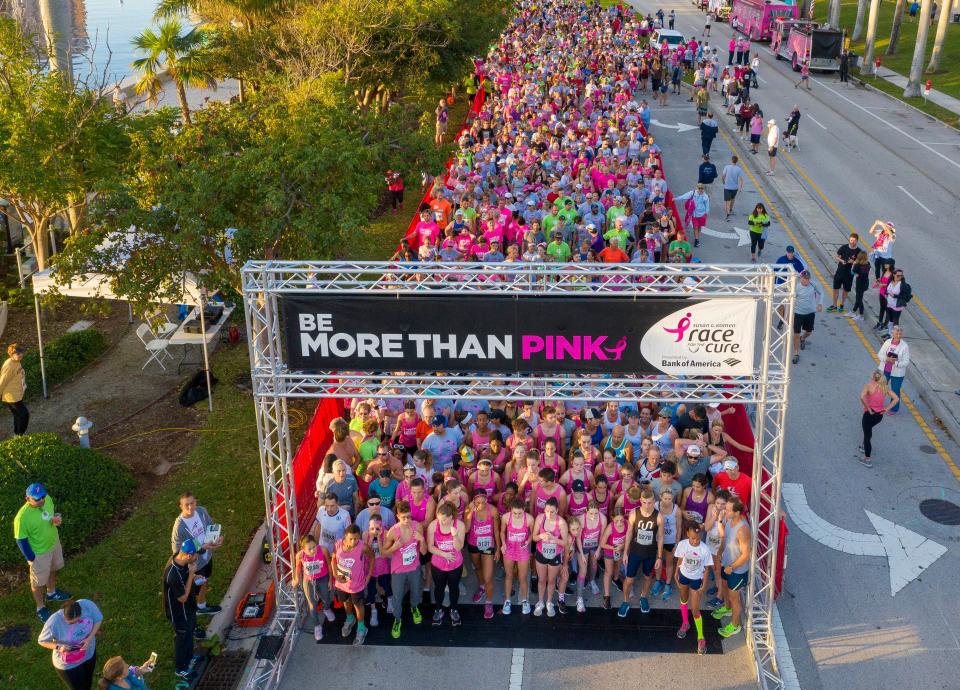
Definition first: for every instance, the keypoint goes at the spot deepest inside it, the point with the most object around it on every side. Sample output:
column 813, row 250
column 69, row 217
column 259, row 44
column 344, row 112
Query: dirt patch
column 111, row 317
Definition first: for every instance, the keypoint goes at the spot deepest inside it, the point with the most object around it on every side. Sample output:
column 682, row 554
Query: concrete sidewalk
column 938, row 97
column 935, row 365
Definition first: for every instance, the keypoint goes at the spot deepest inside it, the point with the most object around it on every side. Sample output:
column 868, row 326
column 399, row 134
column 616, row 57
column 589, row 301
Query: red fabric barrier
column 309, row 457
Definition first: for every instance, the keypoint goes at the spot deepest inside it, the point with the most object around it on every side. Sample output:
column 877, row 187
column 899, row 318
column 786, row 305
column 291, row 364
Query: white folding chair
column 156, row 347
column 160, row 324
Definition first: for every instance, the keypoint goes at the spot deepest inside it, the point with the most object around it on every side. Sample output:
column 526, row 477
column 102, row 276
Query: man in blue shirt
column 792, row 259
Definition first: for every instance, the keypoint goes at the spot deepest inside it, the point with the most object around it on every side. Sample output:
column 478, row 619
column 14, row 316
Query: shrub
column 63, row 357
column 87, row 487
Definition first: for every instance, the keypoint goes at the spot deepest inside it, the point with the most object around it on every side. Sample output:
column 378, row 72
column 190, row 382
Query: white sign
column 711, row 338
column 908, row 553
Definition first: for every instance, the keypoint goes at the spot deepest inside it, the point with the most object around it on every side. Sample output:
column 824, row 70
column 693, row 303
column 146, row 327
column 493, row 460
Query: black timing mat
column 595, row 630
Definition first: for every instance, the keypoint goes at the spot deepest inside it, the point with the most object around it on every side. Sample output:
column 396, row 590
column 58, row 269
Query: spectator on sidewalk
column 180, row 605
column 846, row 256
column 192, row 524
column 773, row 143
column 35, row 529
column 71, row 634
column 13, row 384
column 894, row 358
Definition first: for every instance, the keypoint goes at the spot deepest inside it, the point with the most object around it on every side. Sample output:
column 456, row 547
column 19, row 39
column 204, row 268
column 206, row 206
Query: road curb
column 244, row 575
column 924, row 387
column 867, row 85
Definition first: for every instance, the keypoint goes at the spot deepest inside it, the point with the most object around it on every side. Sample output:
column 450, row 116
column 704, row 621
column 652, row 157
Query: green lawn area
column 122, row 572
column 946, row 80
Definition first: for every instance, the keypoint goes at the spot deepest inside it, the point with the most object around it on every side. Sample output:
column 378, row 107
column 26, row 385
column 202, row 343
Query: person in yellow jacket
column 13, row 383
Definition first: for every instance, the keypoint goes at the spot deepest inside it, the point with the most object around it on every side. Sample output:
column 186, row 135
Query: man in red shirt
column 734, row 481
column 613, row 254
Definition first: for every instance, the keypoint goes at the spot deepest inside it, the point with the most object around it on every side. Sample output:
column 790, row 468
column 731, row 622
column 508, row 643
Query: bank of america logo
column 731, row 361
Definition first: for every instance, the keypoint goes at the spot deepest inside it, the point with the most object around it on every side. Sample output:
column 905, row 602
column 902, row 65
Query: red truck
column 796, row 40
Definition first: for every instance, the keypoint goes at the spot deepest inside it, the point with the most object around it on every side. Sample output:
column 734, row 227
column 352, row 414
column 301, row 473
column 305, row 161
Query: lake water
column 104, row 26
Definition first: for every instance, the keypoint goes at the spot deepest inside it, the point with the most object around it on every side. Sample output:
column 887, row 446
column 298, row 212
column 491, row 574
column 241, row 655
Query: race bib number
column 713, row 539
column 328, row 537
column 485, row 543
column 693, row 562
column 590, row 543
column 408, row 554
column 344, row 568
column 644, row 537
column 314, row 569
column 548, row 551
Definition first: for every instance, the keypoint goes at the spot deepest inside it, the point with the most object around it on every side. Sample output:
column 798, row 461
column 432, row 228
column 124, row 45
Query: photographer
column 71, row 633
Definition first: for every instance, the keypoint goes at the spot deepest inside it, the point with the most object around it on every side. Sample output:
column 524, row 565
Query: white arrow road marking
column 742, row 236
column 908, row 553
column 680, row 127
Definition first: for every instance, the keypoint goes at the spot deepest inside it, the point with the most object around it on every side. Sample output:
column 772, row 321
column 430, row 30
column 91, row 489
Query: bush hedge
column 63, row 357
column 87, row 487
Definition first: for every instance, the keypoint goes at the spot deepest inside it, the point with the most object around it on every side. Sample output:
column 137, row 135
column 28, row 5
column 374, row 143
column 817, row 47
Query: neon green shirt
column 622, row 235
column 560, row 251
column 36, row 526
column 613, row 213
column 547, row 223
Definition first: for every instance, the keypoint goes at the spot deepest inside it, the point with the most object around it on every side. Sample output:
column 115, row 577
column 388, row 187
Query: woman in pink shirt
column 873, row 397
column 445, row 537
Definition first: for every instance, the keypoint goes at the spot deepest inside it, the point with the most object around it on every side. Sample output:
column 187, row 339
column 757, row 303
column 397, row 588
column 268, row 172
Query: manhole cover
column 14, row 636
column 929, row 450
column 938, row 510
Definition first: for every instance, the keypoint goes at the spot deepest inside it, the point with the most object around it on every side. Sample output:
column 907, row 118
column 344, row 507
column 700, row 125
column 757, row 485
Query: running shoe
column 715, row 603
column 438, row 617
column 60, row 595
column 562, row 605
column 507, row 608
column 594, row 587
column 618, row 584
column 657, row 588
column 581, row 607
column 721, row 613
column 840, row 309
column 551, row 611
column 606, row 604
column 538, row 610
column 488, row 610
column 43, row 614
column 624, row 609
column 831, row 309
column 347, row 627
column 696, row 243
column 729, row 630
column 667, row 592
column 866, row 462
column 328, row 613
column 318, row 632
column 208, row 610
column 478, row 595
column 712, row 591
column 644, row 605
column 374, row 621
column 525, row 607
column 796, row 358
column 395, row 630
column 417, row 616
column 361, row 636
column 187, row 675
column 454, row 617
column 701, row 646
column 682, row 632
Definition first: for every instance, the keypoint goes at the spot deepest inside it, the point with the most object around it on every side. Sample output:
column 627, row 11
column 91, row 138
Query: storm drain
column 940, row 511
column 224, row 671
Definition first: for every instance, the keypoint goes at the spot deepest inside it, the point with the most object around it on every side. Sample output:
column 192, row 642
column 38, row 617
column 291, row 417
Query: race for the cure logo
column 714, row 337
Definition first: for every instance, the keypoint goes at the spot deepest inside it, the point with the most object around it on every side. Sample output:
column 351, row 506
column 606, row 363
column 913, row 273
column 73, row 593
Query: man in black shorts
column 732, row 177
column 808, row 302
column 843, row 278
column 642, row 550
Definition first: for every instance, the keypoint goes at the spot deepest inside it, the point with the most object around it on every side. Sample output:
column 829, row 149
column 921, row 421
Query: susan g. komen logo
column 682, row 325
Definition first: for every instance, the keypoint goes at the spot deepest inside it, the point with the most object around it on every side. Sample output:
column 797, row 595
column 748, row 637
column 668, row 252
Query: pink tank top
column 543, row 497
column 490, row 485
column 381, row 564
column 480, row 535
column 612, row 474
column 617, row 537
column 407, row 557
column 876, row 401
column 516, row 539
column 629, row 505
column 479, row 440
column 542, row 437
column 419, row 512
column 403, row 490
column 408, row 431
column 577, row 508
column 315, row 566
column 590, row 536
column 573, row 476
column 604, row 505
column 551, row 550
column 553, row 464
column 446, row 542
column 352, row 565
column 500, row 461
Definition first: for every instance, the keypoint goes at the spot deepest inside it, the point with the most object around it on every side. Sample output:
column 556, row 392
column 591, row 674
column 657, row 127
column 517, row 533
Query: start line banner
column 520, row 334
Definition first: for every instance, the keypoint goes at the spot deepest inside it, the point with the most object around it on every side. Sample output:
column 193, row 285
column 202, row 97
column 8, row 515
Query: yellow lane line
column 905, row 399
column 923, row 307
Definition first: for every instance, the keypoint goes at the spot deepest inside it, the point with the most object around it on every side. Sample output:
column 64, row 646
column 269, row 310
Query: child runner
column 693, row 556
column 575, row 558
column 515, row 546
column 313, row 564
column 352, row 566
column 445, row 537
column 594, row 525
column 550, row 535
column 611, row 546
column 404, row 545
column 670, row 514
column 483, row 532
column 380, row 580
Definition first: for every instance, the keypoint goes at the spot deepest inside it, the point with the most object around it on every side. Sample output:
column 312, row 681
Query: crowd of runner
column 568, row 500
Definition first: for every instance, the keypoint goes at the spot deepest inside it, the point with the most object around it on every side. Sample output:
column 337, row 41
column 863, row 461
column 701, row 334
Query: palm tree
column 868, row 67
column 941, row 35
column 895, row 29
column 858, row 24
column 181, row 55
column 919, row 48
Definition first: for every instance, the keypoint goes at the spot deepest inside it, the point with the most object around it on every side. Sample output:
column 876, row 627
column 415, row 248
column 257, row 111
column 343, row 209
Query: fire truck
column 796, row 40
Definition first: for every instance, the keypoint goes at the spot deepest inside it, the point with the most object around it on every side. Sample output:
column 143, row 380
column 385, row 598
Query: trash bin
column 854, row 60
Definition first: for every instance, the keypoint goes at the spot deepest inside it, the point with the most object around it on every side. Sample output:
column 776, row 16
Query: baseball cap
column 666, row 413
column 36, row 491
column 804, row 274
column 578, row 485
column 188, row 547
column 790, row 249
column 730, row 464
column 590, row 413
column 693, row 451
column 467, row 454
column 438, row 420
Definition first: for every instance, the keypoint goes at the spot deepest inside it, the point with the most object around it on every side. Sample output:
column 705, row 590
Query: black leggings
column 396, row 198
column 21, row 417
column 79, row 677
column 443, row 579
column 870, row 420
column 893, row 316
column 756, row 240
column 858, row 304
column 881, row 319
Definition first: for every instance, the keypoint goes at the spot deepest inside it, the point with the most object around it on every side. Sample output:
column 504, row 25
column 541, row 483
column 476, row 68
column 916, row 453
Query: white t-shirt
column 332, row 527
column 773, row 136
column 197, row 530
column 693, row 559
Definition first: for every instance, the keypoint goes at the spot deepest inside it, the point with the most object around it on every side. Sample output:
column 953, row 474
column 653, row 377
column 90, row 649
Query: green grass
column 122, row 572
column 946, row 80
column 946, row 116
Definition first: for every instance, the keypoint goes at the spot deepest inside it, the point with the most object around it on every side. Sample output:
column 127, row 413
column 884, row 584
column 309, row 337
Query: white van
column 673, row 38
